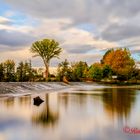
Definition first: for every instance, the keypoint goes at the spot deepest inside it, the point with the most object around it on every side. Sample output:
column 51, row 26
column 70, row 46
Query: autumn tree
column 46, row 49
column 120, row 61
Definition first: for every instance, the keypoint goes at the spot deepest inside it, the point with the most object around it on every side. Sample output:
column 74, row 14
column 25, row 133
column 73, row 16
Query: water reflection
column 71, row 115
column 118, row 102
column 47, row 116
column 9, row 103
column 25, row 101
column 77, row 99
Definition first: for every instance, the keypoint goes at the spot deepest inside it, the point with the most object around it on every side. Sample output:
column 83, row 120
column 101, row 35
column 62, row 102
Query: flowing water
column 78, row 112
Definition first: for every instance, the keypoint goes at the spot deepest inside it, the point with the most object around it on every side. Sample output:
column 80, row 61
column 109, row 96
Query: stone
column 38, row 101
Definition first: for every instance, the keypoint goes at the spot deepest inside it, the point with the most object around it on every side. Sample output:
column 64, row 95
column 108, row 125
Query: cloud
column 4, row 20
column 74, row 48
column 117, row 32
column 78, row 9
column 74, row 39
column 98, row 12
column 15, row 38
column 17, row 55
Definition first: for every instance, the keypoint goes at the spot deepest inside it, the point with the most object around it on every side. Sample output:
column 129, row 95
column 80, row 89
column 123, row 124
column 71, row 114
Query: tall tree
column 46, row 49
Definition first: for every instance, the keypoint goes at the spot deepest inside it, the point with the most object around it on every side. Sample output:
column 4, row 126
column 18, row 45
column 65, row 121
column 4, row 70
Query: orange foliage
column 120, row 61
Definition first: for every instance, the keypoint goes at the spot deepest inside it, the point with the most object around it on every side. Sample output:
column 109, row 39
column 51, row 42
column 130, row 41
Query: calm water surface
column 95, row 113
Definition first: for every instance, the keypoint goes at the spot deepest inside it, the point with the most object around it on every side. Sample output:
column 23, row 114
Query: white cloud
column 4, row 20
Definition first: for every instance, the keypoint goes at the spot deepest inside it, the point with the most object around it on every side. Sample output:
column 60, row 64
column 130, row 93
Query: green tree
column 63, row 70
column 136, row 74
column 79, row 71
column 1, row 72
column 95, row 72
column 46, row 49
column 107, row 71
column 25, row 72
column 9, row 68
column 20, row 72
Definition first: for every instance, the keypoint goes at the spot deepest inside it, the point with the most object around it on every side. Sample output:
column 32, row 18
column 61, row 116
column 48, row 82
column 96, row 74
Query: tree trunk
column 47, row 72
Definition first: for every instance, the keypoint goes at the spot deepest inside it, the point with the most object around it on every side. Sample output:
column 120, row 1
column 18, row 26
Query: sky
column 85, row 29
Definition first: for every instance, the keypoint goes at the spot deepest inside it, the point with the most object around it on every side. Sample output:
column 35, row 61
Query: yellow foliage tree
column 119, row 60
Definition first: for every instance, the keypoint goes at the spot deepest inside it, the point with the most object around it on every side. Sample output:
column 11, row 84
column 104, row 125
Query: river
column 79, row 112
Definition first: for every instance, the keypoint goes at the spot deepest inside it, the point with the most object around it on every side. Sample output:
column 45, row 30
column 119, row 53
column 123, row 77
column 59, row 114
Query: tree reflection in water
column 9, row 102
column 47, row 117
column 78, row 99
column 118, row 102
column 25, row 101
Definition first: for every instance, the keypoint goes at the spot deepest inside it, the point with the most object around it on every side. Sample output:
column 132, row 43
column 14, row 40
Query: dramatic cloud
column 117, row 32
column 81, row 10
column 14, row 38
column 84, row 28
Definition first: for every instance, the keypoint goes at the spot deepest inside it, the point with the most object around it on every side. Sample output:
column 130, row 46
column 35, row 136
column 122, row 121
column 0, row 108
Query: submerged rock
column 38, row 101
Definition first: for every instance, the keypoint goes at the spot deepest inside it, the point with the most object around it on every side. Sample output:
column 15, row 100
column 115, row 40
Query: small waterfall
column 26, row 87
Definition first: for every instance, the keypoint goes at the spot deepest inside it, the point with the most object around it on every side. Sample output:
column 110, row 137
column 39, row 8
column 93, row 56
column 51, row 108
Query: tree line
column 116, row 64
column 22, row 73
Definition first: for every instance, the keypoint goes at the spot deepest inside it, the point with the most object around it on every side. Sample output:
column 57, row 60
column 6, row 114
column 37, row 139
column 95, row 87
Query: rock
column 38, row 101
